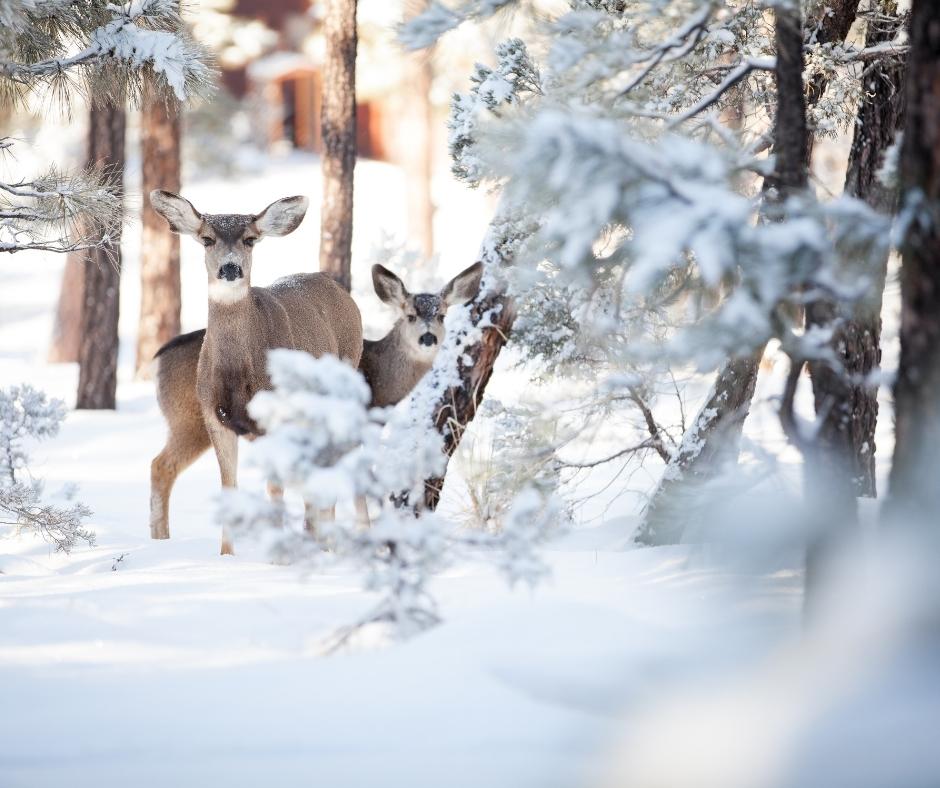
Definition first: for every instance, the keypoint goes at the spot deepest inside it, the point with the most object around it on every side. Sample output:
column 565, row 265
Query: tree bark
column 458, row 404
column 915, row 481
column 160, row 299
column 713, row 440
column 418, row 152
column 791, row 173
column 832, row 26
column 418, row 149
column 98, row 352
column 67, row 331
column 846, row 406
column 338, row 119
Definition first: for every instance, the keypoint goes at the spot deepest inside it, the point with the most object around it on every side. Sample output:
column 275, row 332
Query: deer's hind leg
column 186, row 442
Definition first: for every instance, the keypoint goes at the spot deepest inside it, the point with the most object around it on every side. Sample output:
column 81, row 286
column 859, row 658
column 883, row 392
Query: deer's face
column 228, row 238
column 420, row 324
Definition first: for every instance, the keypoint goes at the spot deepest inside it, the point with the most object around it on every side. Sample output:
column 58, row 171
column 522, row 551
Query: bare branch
column 737, row 74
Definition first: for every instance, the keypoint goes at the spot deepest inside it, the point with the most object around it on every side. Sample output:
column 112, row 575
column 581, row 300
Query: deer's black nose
column 230, row 271
column 427, row 339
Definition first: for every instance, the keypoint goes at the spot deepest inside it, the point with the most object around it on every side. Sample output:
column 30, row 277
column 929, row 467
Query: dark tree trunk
column 67, row 331
column 829, row 495
column 791, row 172
column 718, row 434
column 98, row 352
column 713, row 440
column 338, row 118
column 915, row 480
column 458, row 404
column 831, row 28
column 847, row 407
column 160, row 248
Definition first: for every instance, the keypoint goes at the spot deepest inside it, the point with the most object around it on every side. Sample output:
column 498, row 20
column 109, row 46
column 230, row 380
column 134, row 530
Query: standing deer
column 394, row 364
column 206, row 379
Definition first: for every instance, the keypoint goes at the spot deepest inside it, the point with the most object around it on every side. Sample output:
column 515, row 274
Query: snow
column 162, row 663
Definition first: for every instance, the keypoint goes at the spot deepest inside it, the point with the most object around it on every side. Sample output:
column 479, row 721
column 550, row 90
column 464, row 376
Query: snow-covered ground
column 161, row 663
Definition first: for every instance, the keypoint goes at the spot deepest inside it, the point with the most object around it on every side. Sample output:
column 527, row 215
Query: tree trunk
column 419, row 150
column 847, row 407
column 791, row 173
column 712, row 441
column 160, row 247
column 338, row 118
column 915, row 483
column 831, row 28
column 67, row 331
column 830, row 499
column 98, row 352
column 717, row 431
column 452, row 408
column 458, row 404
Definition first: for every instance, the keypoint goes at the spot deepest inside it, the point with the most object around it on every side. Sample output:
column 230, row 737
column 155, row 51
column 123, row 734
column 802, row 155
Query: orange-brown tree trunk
column 160, row 248
column 98, row 351
column 418, row 152
column 338, row 123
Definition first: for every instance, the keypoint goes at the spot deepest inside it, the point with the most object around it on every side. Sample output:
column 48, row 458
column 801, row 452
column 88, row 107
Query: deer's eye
column 411, row 318
column 249, row 242
column 207, row 241
column 440, row 318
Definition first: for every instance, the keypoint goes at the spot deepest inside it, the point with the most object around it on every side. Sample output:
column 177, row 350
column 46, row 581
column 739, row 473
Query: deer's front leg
column 225, row 443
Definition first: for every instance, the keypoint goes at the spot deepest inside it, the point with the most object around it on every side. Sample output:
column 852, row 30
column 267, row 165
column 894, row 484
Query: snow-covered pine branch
column 422, row 30
column 58, row 211
column 646, row 246
column 323, row 443
column 26, row 413
column 103, row 49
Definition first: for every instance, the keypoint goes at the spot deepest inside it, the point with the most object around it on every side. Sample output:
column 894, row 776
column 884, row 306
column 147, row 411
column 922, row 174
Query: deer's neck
column 233, row 326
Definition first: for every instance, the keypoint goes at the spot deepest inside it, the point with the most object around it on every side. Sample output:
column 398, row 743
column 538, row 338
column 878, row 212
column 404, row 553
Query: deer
column 394, row 364
column 205, row 379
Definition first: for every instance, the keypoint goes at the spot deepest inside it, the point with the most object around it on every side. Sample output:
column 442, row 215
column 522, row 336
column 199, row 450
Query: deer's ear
column 282, row 217
column 178, row 212
column 388, row 287
column 464, row 286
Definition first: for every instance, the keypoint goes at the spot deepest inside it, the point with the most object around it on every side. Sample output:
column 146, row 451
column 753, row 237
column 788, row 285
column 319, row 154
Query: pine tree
column 98, row 49
column 160, row 287
column 914, row 492
column 620, row 144
column 338, row 119
column 101, row 291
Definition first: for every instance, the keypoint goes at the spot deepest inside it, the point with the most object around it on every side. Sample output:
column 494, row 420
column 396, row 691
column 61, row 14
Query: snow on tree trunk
column 712, row 440
column 160, row 248
column 447, row 398
column 458, row 403
column 338, row 118
column 97, row 380
column 847, row 406
column 914, row 488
